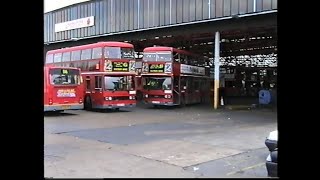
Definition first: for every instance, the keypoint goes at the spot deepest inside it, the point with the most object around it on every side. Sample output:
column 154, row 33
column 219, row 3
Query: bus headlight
column 167, row 96
column 108, row 98
column 146, row 95
column 131, row 97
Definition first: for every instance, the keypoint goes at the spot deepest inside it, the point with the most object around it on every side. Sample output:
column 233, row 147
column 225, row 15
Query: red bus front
column 157, row 90
column 63, row 89
column 157, row 77
column 111, row 91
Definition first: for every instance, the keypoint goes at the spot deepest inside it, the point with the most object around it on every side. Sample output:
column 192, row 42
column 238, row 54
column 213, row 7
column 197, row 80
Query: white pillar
column 216, row 69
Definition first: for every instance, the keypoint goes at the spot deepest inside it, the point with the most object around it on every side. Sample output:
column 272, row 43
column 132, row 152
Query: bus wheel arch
column 87, row 102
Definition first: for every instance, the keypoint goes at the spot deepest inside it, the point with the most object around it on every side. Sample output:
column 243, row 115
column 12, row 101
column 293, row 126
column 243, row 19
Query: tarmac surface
column 193, row 141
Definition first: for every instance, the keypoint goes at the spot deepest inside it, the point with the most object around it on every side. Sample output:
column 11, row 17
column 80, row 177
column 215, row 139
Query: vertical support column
column 170, row 10
column 216, row 69
column 148, row 13
column 138, row 14
column 153, row 13
column 209, row 8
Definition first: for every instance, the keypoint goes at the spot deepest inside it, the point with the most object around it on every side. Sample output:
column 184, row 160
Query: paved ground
column 194, row 141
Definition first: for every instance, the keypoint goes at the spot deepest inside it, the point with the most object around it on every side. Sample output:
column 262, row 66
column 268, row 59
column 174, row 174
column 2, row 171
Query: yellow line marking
column 246, row 168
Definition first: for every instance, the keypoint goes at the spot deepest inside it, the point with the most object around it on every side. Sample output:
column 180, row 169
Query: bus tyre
column 87, row 103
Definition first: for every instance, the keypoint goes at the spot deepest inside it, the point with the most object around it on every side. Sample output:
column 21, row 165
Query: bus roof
column 60, row 67
column 165, row 48
column 94, row 45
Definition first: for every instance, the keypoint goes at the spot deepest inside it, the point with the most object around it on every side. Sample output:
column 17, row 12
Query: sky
column 51, row 5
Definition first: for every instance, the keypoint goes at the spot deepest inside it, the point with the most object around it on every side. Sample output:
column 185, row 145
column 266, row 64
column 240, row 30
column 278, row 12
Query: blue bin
column 264, row 97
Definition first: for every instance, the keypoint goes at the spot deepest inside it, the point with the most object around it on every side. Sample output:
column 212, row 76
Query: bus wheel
column 87, row 103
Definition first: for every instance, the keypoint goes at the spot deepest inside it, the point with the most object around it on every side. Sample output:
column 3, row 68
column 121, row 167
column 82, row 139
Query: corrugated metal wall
column 125, row 15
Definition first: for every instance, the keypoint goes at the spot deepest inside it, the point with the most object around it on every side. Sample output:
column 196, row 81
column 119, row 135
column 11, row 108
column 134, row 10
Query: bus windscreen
column 119, row 83
column 161, row 83
column 119, row 53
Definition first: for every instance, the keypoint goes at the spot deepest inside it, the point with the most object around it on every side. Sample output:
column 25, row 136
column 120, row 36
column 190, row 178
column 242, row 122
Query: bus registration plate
column 65, row 107
column 156, row 102
column 120, row 104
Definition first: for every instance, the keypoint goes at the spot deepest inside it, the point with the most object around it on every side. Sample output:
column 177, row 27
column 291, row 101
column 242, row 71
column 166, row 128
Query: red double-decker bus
column 169, row 79
column 63, row 89
column 108, row 70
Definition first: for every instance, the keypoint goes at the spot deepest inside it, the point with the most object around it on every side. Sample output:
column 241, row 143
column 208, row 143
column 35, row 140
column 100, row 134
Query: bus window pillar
column 216, row 70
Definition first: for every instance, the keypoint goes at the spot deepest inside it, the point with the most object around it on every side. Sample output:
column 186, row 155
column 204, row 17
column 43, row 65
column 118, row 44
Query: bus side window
column 190, row 84
column 84, row 65
column 86, row 54
column 93, row 65
column 196, row 84
column 49, row 58
column 77, row 64
column 57, row 58
column 98, row 83
column 97, row 53
column 75, row 55
column 66, row 59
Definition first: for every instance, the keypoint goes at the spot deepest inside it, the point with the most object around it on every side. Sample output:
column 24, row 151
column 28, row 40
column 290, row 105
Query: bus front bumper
column 165, row 103
column 114, row 106
column 63, row 107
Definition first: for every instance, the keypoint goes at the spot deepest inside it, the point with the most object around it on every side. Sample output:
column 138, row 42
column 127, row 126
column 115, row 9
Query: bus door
column 176, row 90
column 88, row 91
column 197, row 93
column 97, row 93
column 88, row 85
column 183, row 90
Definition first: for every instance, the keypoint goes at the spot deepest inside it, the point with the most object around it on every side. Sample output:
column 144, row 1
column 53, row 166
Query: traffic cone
column 221, row 101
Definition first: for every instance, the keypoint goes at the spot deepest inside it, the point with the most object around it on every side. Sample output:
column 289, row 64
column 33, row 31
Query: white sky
column 51, row 5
